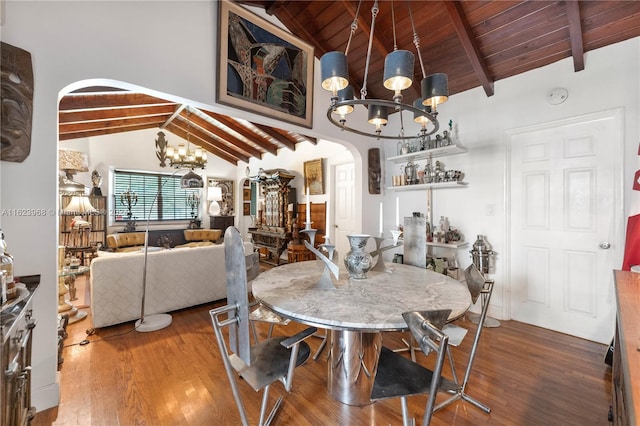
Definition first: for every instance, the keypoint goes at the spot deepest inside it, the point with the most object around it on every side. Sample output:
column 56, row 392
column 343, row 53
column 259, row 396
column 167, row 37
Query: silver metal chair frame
column 264, row 363
column 477, row 286
column 399, row 377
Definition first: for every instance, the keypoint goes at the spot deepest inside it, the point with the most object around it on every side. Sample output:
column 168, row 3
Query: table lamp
column 214, row 196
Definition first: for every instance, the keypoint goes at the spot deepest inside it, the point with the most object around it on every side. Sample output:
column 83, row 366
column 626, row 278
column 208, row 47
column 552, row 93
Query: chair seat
column 269, row 362
column 398, row 376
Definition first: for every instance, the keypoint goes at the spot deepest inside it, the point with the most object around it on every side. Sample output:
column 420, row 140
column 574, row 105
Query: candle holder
column 330, row 248
column 307, row 226
column 330, row 268
column 380, row 266
column 311, row 233
column 395, row 234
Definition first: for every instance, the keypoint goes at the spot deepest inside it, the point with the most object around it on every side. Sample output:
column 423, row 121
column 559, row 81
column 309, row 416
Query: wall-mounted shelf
column 424, row 155
column 457, row 245
column 427, row 186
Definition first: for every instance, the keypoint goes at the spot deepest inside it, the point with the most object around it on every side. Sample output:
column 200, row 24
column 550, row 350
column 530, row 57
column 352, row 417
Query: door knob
column 604, row 245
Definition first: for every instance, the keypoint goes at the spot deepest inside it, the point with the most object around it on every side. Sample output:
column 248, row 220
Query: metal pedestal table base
column 488, row 322
column 353, row 360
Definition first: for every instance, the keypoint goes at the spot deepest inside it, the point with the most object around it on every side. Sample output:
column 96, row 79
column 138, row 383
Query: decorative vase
column 357, row 260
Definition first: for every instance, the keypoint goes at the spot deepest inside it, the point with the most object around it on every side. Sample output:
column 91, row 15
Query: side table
column 67, row 284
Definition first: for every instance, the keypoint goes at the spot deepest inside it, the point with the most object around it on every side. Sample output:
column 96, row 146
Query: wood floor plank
column 175, row 376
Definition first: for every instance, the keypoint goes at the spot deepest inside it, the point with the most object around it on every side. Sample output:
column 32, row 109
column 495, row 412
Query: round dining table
column 356, row 311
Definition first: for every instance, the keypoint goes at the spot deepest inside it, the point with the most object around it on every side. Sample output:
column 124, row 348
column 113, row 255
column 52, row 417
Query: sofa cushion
column 212, row 235
column 130, row 241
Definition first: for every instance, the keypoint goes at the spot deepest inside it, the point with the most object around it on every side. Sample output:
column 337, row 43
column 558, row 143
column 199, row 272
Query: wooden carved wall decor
column 16, row 81
column 374, row 171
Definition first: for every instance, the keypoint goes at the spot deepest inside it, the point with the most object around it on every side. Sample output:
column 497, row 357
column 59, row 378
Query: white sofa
column 176, row 278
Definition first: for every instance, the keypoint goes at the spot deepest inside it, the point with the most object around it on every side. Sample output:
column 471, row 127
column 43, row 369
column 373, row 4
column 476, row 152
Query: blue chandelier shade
column 334, row 72
column 435, row 90
column 398, row 70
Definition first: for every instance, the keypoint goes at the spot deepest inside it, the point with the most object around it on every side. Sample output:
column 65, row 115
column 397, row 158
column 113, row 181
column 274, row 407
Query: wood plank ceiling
column 474, row 42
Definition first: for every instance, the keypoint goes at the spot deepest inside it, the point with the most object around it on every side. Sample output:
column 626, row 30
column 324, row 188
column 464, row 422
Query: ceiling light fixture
column 182, row 157
column 398, row 76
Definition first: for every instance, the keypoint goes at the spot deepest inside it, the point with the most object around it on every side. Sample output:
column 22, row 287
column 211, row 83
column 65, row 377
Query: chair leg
column 460, row 393
column 406, row 420
column 322, row 345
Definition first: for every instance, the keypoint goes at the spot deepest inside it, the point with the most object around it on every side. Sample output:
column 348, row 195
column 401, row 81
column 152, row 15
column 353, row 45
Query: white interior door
column 344, row 206
column 566, row 224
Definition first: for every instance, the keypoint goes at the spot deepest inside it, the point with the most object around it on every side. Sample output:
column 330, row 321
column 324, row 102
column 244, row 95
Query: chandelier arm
column 416, row 40
column 354, row 28
column 374, row 14
column 381, row 102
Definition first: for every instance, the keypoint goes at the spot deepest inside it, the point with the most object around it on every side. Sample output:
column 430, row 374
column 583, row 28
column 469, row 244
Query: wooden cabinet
column 98, row 221
column 273, row 225
column 221, row 222
column 626, row 353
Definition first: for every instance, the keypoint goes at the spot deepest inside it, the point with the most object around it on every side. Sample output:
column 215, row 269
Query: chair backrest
column 426, row 328
column 253, row 265
column 236, row 270
column 475, row 281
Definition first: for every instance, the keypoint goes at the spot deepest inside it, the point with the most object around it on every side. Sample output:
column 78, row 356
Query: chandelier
column 182, row 157
column 398, row 75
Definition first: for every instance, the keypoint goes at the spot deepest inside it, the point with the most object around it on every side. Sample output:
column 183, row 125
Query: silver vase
column 357, row 260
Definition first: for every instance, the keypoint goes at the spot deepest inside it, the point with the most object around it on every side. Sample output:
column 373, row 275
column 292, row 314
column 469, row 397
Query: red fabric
column 636, row 181
column 632, row 246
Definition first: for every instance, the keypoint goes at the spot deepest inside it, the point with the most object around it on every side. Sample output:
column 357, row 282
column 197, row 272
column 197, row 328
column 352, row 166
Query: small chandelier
column 398, row 75
column 182, row 156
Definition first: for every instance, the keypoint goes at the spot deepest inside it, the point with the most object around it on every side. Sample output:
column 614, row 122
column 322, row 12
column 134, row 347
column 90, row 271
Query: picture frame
column 227, row 205
column 286, row 92
column 313, row 177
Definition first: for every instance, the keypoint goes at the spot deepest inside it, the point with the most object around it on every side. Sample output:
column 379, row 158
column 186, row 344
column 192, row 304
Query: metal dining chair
column 264, row 363
column 258, row 312
column 400, row 377
column 478, row 286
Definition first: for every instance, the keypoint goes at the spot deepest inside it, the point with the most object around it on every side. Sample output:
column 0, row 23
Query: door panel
column 563, row 186
column 344, row 206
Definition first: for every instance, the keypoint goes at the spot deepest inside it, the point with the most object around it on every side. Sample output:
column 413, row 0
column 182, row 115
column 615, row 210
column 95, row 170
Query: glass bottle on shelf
column 6, row 260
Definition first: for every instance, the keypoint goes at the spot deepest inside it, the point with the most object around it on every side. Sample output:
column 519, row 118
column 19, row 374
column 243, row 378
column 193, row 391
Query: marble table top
column 373, row 304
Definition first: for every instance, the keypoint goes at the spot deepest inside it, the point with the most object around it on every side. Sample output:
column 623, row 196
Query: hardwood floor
column 175, row 376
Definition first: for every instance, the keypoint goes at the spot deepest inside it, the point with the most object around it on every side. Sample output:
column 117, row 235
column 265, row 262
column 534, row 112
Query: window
column 170, row 205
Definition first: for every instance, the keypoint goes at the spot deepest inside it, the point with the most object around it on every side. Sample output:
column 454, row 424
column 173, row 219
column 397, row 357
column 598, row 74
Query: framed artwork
column 313, row 177
column 262, row 68
column 228, row 199
column 246, row 209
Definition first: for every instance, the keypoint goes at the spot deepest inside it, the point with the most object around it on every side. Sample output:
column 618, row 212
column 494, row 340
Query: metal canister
column 481, row 254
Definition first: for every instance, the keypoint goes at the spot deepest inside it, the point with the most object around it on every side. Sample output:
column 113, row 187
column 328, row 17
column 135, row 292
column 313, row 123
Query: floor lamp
column 154, row 322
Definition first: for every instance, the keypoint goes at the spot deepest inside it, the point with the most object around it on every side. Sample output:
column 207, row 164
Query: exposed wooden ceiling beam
column 275, row 135
column 575, row 34
column 102, row 132
column 234, row 125
column 176, row 113
column 225, row 136
column 463, row 29
column 109, row 100
column 216, row 148
column 75, row 116
column 310, row 139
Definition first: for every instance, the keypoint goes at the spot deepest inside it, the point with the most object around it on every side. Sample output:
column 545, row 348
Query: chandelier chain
column 416, row 40
column 374, row 14
column 354, row 28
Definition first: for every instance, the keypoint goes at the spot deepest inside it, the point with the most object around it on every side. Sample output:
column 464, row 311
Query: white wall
column 170, row 47
column 610, row 80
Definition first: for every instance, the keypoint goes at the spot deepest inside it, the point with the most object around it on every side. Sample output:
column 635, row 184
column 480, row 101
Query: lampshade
column 334, row 73
column 345, row 94
column 79, row 205
column 73, row 161
column 419, row 118
column 435, row 90
column 214, row 194
column 377, row 115
column 398, row 70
